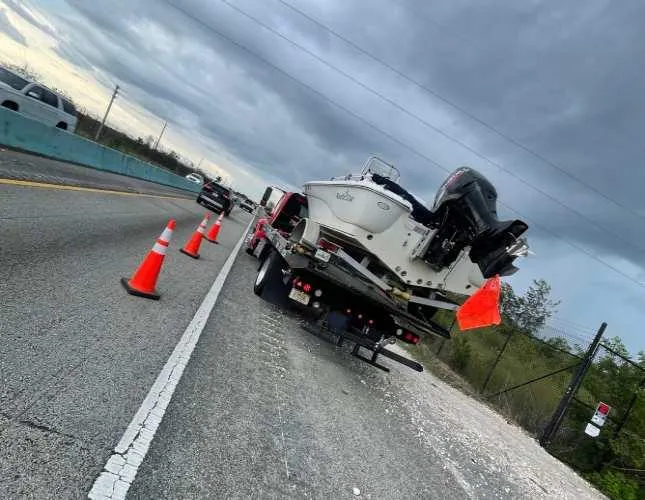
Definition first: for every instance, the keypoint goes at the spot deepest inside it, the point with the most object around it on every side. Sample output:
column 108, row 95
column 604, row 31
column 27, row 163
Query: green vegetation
column 140, row 148
column 615, row 461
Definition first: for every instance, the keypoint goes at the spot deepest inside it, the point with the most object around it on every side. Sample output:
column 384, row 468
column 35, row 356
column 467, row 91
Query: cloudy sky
column 544, row 98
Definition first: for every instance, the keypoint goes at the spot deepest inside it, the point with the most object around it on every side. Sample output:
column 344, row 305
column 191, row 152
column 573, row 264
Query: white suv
column 36, row 101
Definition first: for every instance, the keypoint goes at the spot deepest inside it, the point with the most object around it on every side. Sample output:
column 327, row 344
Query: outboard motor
column 465, row 214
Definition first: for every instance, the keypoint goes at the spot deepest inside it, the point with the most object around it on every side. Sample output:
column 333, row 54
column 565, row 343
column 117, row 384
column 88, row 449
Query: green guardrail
column 20, row 132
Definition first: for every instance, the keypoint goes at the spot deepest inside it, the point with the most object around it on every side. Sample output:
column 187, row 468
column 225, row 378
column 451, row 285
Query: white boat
column 402, row 241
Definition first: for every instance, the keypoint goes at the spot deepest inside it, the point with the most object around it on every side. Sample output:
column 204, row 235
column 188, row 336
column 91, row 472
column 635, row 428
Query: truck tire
column 268, row 282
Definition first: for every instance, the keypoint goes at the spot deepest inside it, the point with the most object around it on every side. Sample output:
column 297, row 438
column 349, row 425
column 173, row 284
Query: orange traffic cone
column 214, row 231
column 481, row 308
column 144, row 280
column 191, row 248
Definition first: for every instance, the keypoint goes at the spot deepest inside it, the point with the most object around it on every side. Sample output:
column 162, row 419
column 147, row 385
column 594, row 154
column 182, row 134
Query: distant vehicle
column 196, row 178
column 35, row 101
column 248, row 205
column 216, row 197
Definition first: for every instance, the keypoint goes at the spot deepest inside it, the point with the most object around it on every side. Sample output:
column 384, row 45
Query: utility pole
column 114, row 94
column 162, row 131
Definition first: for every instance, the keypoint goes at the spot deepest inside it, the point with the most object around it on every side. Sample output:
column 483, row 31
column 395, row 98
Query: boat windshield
column 375, row 165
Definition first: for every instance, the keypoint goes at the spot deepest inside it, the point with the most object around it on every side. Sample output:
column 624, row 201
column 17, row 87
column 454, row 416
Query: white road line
column 121, row 468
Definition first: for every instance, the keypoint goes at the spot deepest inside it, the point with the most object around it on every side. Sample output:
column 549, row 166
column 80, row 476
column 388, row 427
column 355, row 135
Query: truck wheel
column 10, row 105
column 268, row 282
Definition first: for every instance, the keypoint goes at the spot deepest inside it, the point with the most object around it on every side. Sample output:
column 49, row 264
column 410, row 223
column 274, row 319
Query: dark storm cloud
column 9, row 29
column 564, row 79
column 275, row 149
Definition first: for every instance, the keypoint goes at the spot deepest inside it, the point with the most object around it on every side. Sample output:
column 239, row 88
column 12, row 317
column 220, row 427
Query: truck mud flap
column 361, row 342
column 388, row 354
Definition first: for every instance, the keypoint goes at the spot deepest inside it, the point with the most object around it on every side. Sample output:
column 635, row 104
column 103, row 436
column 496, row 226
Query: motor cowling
column 465, row 215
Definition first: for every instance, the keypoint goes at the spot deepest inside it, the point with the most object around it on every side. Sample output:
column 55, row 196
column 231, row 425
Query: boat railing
column 373, row 165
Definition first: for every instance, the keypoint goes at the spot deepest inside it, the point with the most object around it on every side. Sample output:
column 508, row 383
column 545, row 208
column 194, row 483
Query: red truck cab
column 284, row 216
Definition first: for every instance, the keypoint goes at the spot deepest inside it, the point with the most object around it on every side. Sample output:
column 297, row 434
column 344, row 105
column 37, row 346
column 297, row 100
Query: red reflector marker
column 411, row 337
column 327, row 246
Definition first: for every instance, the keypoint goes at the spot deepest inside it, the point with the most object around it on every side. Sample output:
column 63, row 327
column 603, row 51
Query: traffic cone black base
column 194, row 256
column 154, row 295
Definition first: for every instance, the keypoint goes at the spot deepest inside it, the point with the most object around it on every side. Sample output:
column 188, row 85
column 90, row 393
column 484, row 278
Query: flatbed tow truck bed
column 341, row 270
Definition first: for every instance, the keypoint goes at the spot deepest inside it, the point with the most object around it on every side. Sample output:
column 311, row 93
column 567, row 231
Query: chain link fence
column 527, row 377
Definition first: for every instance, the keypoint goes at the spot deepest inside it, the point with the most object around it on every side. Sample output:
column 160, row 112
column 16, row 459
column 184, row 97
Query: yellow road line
column 13, row 182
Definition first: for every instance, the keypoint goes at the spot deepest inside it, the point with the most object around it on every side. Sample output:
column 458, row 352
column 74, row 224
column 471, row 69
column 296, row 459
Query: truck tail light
column 411, row 338
column 299, row 283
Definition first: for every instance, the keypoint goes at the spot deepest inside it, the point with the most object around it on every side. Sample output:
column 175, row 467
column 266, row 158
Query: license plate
column 299, row 296
column 259, row 247
column 322, row 255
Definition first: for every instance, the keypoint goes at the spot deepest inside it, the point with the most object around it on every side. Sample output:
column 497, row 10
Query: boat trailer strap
column 363, row 270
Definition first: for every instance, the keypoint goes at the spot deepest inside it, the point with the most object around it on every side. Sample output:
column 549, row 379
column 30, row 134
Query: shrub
column 615, row 485
column 461, row 353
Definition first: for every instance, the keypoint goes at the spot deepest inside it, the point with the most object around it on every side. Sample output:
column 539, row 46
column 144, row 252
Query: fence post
column 443, row 341
column 576, row 380
column 630, row 406
column 499, row 356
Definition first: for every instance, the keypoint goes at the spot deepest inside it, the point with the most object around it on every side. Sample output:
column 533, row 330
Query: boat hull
column 354, row 206
column 353, row 213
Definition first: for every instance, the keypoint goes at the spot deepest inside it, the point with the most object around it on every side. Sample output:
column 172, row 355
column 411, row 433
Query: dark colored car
column 216, row 197
column 248, row 205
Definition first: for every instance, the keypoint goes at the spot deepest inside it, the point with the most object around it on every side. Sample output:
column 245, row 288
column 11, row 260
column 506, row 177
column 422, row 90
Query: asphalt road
column 77, row 353
column 267, row 410
column 263, row 410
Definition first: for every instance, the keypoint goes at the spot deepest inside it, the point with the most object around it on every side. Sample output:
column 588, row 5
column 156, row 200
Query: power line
column 431, row 126
column 139, row 110
column 388, row 135
column 577, row 326
column 459, row 108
